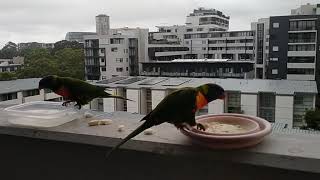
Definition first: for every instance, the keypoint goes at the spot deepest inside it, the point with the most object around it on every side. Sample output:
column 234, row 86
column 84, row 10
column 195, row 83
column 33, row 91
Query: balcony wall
column 77, row 151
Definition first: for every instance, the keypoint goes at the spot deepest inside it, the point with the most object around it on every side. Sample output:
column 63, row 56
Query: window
column 119, row 69
column 116, row 40
column 275, row 25
column 119, row 59
column 304, row 71
column 125, row 102
column 308, row 59
column 149, row 100
column 103, row 69
column 204, row 48
column 301, row 25
column 273, row 59
column 275, row 48
column 200, row 29
column 46, row 91
column 127, row 59
column 274, row 71
column 102, row 50
column 9, row 96
column 114, row 49
column 32, row 92
column 233, row 102
column 267, row 103
column 305, row 47
column 189, row 30
column 127, row 69
column 100, row 104
column 102, row 60
column 204, row 42
column 302, row 103
column 202, row 111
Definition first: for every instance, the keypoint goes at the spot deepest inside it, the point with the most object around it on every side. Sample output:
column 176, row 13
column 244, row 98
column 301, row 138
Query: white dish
column 41, row 114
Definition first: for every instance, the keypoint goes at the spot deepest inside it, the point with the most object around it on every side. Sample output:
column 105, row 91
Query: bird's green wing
column 175, row 107
column 80, row 89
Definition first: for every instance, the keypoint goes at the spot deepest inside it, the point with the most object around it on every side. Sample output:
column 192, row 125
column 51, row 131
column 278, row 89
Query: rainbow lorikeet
column 178, row 108
column 74, row 90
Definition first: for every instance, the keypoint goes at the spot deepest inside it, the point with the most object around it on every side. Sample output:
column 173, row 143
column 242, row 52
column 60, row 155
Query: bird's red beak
column 222, row 96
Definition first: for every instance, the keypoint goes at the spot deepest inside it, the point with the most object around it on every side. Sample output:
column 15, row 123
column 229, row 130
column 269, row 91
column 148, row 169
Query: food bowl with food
column 228, row 131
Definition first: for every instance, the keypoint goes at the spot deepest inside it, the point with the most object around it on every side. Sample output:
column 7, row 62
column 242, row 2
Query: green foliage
column 7, row 76
column 312, row 119
column 9, row 51
column 70, row 62
column 65, row 62
column 66, row 44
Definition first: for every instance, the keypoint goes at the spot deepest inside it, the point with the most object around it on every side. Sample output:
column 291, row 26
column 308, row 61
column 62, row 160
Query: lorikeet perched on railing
column 178, row 108
column 75, row 90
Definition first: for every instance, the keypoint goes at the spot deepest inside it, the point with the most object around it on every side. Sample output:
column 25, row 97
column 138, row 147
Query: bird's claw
column 200, row 127
column 66, row 103
column 78, row 105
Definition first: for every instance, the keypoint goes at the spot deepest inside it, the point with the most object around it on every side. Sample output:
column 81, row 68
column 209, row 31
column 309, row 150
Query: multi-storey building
column 307, row 9
column 294, row 47
column 204, row 36
column 114, row 52
column 11, row 65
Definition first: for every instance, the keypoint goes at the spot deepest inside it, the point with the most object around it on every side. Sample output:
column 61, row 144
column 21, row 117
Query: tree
column 9, row 51
column 38, row 63
column 312, row 119
column 70, row 62
column 66, row 44
column 66, row 62
column 7, row 76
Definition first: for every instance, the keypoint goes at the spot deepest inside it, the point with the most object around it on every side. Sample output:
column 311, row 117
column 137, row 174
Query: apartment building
column 280, row 101
column 205, row 35
column 11, row 65
column 307, row 9
column 214, row 68
column 114, row 52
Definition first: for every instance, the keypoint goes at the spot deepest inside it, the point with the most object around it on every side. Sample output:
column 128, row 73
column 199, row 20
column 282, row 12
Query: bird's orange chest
column 201, row 101
column 64, row 92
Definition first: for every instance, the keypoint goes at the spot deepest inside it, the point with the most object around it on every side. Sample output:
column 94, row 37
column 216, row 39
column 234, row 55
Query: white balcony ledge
column 291, row 152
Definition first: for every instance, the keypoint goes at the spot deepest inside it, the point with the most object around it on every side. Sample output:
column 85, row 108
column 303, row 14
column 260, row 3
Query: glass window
column 233, row 102
column 275, row 25
column 267, row 103
column 302, row 103
column 275, row 48
column 274, row 71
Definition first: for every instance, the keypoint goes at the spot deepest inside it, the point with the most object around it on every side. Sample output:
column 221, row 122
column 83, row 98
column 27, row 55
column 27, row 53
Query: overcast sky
column 49, row 20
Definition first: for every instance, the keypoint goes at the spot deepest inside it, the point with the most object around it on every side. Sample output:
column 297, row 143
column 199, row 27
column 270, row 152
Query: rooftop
column 280, row 87
column 18, row 85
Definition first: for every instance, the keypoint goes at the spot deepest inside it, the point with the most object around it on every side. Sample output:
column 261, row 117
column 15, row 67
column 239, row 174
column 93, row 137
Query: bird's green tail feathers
column 107, row 95
column 134, row 133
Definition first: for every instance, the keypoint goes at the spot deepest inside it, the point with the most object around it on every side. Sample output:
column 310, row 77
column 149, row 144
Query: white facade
column 247, row 91
column 307, row 9
column 114, row 52
column 284, row 110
